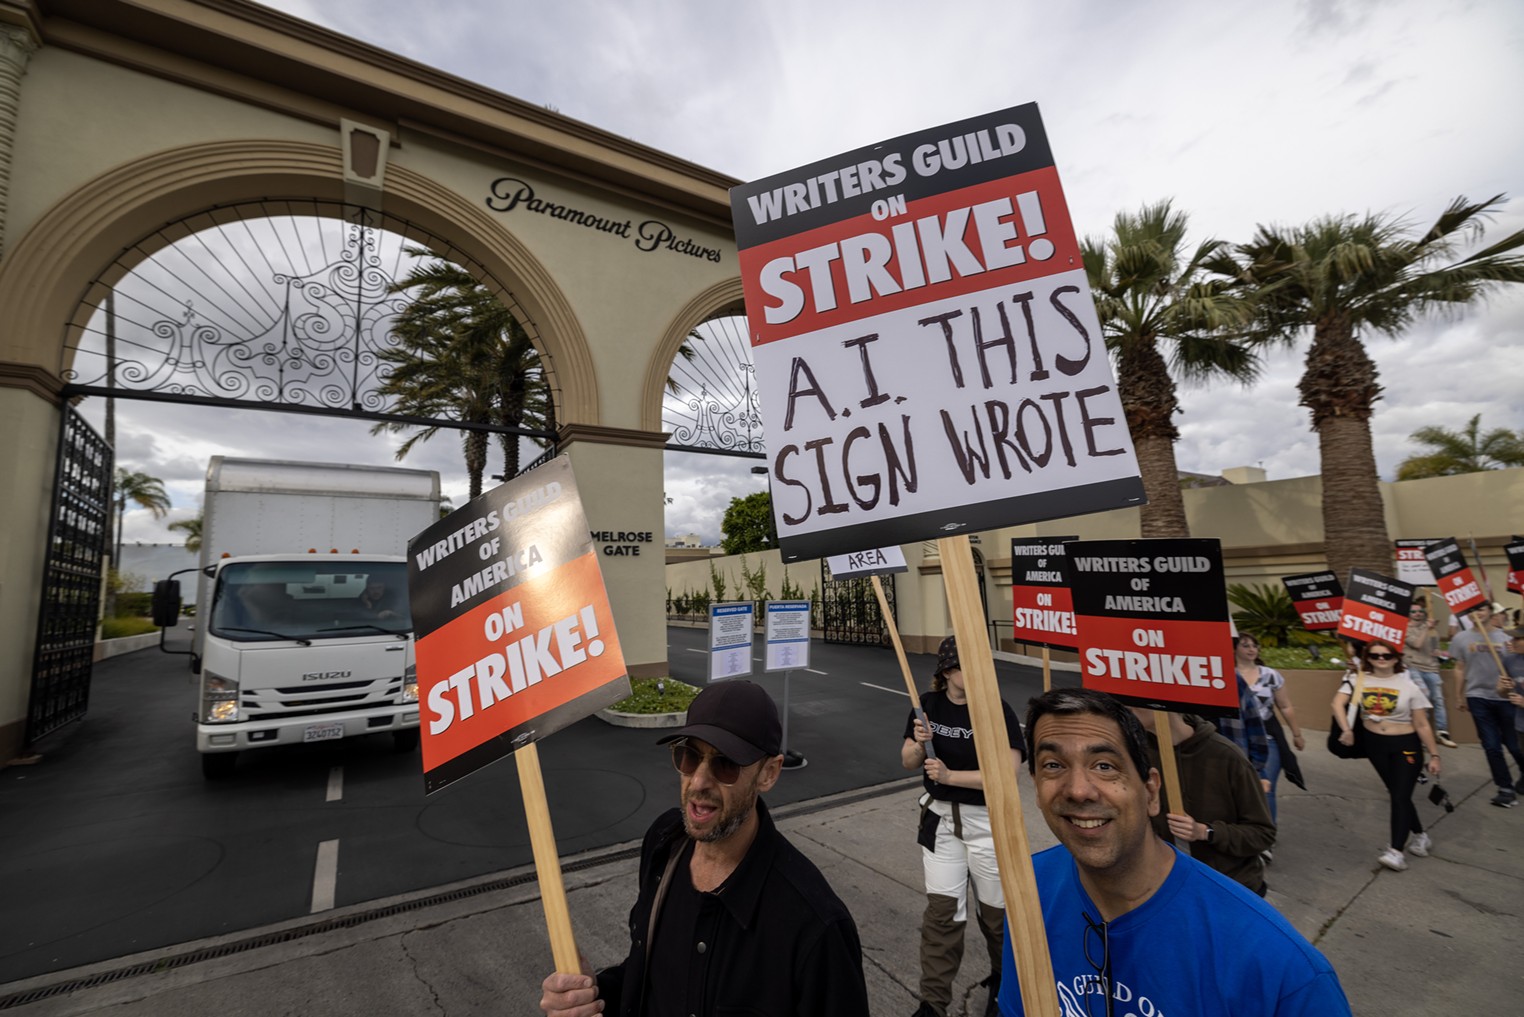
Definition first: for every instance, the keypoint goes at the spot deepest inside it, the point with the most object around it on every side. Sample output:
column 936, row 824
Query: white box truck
column 302, row 630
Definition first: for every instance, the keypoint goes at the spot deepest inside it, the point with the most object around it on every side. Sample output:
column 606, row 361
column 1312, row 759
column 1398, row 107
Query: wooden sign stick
column 547, row 863
column 1023, row 911
column 1047, row 669
column 899, row 651
column 1174, row 800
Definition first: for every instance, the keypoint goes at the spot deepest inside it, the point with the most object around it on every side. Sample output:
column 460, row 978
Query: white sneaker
column 1392, row 859
column 1446, row 740
column 1420, row 845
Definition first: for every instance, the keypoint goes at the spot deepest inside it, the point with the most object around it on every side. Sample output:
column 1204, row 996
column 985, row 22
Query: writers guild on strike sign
column 1318, row 599
column 1152, row 622
column 1375, row 607
column 1456, row 582
column 931, row 365
column 515, row 636
column 1042, row 610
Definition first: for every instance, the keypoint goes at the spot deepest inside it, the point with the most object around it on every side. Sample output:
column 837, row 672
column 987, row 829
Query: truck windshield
column 264, row 601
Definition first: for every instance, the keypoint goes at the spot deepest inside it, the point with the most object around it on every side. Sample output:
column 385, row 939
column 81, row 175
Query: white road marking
column 335, row 784
column 898, row 692
column 325, row 876
column 811, row 670
column 692, row 650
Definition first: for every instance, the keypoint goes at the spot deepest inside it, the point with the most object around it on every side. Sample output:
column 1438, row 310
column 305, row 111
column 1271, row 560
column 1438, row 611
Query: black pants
column 1398, row 760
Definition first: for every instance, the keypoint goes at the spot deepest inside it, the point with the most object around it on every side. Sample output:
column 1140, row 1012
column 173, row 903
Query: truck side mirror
column 166, row 603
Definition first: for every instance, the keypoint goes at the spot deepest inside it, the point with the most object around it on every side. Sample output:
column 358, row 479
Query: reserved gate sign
column 1152, row 621
column 1375, row 607
column 1318, row 598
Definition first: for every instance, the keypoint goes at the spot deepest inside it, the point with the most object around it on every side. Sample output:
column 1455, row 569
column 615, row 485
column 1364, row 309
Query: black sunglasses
column 1381, row 656
column 722, row 768
column 1102, row 985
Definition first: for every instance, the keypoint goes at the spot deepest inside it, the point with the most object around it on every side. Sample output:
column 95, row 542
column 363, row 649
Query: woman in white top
column 1395, row 714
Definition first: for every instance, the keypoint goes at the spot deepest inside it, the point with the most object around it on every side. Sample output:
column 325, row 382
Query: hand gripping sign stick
column 1013, row 854
column 899, row 651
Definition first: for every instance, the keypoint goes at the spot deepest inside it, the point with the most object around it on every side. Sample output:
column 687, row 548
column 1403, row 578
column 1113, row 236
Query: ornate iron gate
column 71, row 580
column 849, row 610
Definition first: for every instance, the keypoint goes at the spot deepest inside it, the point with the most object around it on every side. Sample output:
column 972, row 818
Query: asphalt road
column 114, row 842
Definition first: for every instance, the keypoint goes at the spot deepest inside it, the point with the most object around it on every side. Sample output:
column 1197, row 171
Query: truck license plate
column 322, row 732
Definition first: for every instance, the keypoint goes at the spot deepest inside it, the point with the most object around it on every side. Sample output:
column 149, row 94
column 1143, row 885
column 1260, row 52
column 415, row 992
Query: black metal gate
column 849, row 611
column 78, row 530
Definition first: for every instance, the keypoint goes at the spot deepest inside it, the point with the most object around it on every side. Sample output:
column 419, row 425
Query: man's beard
column 728, row 821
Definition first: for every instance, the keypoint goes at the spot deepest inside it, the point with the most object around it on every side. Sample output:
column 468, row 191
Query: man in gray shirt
column 1487, row 701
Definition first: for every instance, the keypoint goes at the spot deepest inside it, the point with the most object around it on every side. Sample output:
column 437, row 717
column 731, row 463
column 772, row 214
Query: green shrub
column 656, row 695
column 134, row 605
column 1266, row 613
column 116, row 628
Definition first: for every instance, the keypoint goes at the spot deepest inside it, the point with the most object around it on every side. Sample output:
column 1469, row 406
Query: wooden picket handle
column 899, row 651
column 1047, row 669
column 547, row 863
column 1023, row 910
column 1174, row 801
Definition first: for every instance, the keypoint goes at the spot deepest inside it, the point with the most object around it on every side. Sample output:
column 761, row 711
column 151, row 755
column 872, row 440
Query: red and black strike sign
column 515, row 637
column 1042, row 609
column 1515, row 552
column 1318, row 598
column 1412, row 567
column 1152, row 621
column 1457, row 584
column 1375, row 608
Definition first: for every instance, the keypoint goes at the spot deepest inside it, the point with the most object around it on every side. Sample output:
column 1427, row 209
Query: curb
column 643, row 720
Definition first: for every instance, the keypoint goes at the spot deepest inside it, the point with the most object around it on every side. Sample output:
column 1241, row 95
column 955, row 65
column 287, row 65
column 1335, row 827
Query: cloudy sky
column 1241, row 112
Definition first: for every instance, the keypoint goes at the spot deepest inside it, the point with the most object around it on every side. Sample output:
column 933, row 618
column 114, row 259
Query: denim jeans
column 1494, row 726
column 1272, row 774
column 1434, row 688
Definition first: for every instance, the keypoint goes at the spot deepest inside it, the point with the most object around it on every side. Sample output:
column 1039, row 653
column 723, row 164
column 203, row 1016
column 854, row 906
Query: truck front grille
column 302, row 701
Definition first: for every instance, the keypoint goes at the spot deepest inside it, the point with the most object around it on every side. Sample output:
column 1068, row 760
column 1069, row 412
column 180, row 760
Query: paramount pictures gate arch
column 119, row 117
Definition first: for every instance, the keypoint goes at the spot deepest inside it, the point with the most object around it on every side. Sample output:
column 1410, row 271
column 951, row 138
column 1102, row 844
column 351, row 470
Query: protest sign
column 1515, row 552
column 1042, row 611
column 1412, row 567
column 878, row 561
column 730, row 637
column 927, row 352
column 515, row 637
column 1375, row 607
column 1152, row 621
column 1317, row 597
column 1456, row 582
column 788, row 634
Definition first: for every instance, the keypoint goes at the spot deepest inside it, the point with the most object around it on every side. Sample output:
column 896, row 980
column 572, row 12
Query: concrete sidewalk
column 1443, row 937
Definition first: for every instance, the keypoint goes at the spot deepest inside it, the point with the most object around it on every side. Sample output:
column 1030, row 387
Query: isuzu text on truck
column 303, row 632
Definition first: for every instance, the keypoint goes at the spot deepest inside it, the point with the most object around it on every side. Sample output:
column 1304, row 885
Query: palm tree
column 143, row 491
column 460, row 354
column 192, row 530
column 1463, row 451
column 1342, row 277
column 1163, row 318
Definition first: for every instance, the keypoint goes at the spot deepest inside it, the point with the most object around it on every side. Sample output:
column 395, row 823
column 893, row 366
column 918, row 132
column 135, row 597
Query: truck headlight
column 410, row 684
column 219, row 699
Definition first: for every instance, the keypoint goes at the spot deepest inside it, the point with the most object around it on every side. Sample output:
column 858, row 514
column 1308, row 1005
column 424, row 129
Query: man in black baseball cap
column 729, row 913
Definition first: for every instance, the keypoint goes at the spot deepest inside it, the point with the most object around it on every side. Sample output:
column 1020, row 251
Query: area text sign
column 927, row 352
column 515, row 638
column 1375, row 607
column 1412, row 567
column 1152, row 620
column 1453, row 576
column 1318, row 598
column 877, row 561
column 1042, row 611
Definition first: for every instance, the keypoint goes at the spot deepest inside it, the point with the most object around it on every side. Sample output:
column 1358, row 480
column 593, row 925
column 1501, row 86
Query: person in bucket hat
column 955, row 837
column 730, row 916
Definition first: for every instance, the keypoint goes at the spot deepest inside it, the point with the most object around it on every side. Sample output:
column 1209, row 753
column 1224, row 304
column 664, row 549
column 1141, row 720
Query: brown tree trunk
column 1148, row 399
column 1340, row 387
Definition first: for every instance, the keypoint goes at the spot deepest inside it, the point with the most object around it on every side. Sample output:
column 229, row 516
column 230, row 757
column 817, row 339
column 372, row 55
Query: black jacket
column 782, row 942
